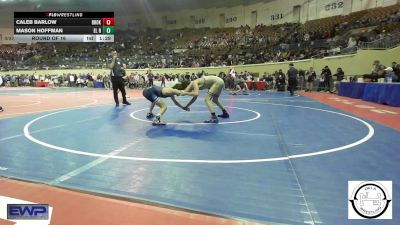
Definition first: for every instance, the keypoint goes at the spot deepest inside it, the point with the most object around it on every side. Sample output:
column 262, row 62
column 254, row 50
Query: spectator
column 328, row 79
column 322, row 81
column 270, row 81
column 311, row 76
column 352, row 43
column 396, row 68
column 280, row 73
column 339, row 74
column 280, row 81
column 150, row 77
column 162, row 80
column 339, row 77
column 131, row 80
column 106, row 81
column 292, row 78
column 13, row 81
column 302, row 79
column 89, row 80
column 137, row 81
column 390, row 76
column 378, row 71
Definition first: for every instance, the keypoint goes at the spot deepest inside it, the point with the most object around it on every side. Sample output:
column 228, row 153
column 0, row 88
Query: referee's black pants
column 292, row 85
column 118, row 83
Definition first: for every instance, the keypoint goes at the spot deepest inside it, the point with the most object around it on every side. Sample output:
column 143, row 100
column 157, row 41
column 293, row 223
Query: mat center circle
column 257, row 115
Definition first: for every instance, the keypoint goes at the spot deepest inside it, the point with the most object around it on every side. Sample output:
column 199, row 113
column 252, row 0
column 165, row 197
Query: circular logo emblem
column 370, row 200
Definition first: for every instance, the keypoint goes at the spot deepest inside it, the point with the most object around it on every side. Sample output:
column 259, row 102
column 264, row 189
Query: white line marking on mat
column 257, row 115
column 49, row 128
column 91, row 164
column 251, row 134
column 36, row 131
column 368, row 136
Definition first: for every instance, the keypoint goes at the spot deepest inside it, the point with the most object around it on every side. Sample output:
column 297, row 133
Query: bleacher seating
column 210, row 47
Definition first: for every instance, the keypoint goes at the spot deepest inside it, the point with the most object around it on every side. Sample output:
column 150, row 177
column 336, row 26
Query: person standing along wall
column 163, row 80
column 150, row 76
column 311, row 76
column 328, row 79
column 106, row 81
column 292, row 78
column 302, row 78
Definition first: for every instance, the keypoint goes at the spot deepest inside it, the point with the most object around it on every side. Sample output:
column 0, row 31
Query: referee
column 117, row 67
column 292, row 77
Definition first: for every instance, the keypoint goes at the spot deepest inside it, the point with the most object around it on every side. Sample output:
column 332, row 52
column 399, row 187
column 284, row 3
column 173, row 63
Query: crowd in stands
column 204, row 47
column 66, row 80
column 308, row 79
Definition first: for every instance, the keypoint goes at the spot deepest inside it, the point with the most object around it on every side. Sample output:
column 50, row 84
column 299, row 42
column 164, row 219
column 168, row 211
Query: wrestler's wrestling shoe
column 149, row 116
column 158, row 122
column 212, row 120
column 224, row 115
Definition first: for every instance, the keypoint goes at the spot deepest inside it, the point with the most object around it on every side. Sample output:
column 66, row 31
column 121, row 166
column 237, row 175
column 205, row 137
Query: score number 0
column 108, row 21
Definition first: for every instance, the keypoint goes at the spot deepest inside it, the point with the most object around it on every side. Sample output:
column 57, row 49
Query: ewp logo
column 27, row 212
column 31, row 210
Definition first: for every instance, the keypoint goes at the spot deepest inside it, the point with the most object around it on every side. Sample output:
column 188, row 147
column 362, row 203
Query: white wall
column 282, row 7
column 358, row 5
column 202, row 17
column 327, row 8
column 7, row 36
column 390, row 2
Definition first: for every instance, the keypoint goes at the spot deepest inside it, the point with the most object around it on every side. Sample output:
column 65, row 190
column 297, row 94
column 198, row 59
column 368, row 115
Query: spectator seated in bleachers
column 378, row 71
column 390, row 75
column 204, row 47
column 338, row 77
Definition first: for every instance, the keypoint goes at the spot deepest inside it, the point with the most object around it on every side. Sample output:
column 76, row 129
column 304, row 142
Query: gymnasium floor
column 277, row 160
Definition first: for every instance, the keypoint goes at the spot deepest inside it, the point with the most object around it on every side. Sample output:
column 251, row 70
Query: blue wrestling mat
column 276, row 160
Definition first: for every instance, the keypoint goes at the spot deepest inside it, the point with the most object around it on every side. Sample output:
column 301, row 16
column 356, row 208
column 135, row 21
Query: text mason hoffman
column 38, row 30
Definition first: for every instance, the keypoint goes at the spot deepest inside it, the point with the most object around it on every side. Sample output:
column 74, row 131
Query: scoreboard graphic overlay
column 64, row 26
